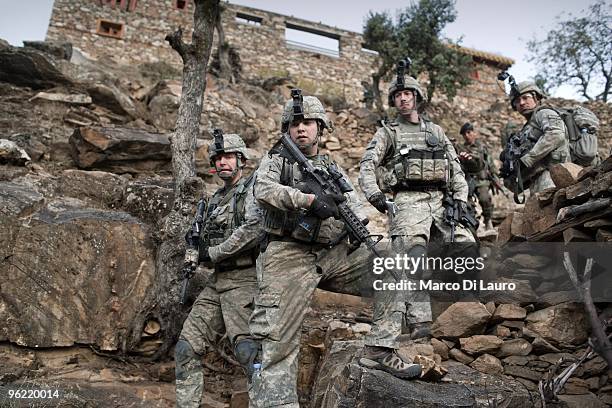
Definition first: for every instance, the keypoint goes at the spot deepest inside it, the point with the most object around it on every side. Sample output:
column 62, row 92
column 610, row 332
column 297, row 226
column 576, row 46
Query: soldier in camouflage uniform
column 228, row 241
column 478, row 167
column 412, row 158
column 296, row 261
column 547, row 127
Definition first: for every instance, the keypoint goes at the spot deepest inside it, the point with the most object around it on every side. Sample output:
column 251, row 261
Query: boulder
column 11, row 153
column 508, row 312
column 76, row 274
column 480, row 344
column 561, row 324
column 487, row 364
column 461, row 319
column 125, row 150
column 113, row 99
column 30, row 67
column 514, row 347
column 59, row 50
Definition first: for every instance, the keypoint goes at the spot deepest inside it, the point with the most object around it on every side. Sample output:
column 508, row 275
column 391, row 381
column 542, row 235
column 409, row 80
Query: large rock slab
column 461, row 319
column 71, row 274
column 561, row 324
column 113, row 99
column 480, row 344
column 342, row 382
column 124, row 150
column 30, row 67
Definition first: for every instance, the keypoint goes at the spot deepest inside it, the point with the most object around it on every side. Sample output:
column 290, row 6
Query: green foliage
column 417, row 33
column 578, row 52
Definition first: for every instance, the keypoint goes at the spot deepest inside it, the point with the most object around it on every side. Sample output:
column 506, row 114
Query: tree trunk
column 225, row 67
column 163, row 303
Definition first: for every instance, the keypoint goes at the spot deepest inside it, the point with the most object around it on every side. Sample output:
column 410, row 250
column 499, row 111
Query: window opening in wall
column 127, row 5
column 313, row 40
column 248, row 19
column 110, row 29
column 180, row 4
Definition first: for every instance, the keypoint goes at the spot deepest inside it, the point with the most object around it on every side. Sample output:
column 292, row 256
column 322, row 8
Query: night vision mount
column 403, row 68
column 218, row 139
column 514, row 90
column 298, row 104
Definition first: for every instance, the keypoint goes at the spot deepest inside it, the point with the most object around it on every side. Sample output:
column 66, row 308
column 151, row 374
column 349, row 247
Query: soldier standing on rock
column 295, row 260
column 479, row 171
column 545, row 133
column 228, row 242
column 417, row 163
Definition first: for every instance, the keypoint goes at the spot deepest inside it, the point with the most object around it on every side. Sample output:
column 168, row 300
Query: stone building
column 133, row 31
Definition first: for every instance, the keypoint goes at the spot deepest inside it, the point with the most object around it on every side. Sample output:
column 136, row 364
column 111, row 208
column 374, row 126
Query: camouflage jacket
column 480, row 166
column 274, row 196
column 235, row 220
column 547, row 127
column 381, row 150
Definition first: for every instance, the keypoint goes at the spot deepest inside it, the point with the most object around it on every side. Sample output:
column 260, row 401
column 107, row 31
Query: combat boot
column 387, row 359
column 420, row 330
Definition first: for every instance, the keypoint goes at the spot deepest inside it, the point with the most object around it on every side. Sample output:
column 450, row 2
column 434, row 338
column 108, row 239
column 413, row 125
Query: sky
column 497, row 26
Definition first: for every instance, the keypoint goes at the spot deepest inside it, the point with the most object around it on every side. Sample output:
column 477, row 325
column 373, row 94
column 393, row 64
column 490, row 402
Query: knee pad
column 186, row 360
column 246, row 352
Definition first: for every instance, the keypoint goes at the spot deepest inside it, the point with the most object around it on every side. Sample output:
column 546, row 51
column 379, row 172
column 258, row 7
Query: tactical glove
column 379, row 201
column 326, row 205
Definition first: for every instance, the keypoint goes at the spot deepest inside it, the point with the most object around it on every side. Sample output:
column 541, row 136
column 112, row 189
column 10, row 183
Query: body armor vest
column 225, row 213
column 418, row 160
column 300, row 225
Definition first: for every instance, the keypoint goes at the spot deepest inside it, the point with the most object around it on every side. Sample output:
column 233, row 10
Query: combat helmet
column 524, row 87
column 230, row 143
column 311, row 108
column 405, row 81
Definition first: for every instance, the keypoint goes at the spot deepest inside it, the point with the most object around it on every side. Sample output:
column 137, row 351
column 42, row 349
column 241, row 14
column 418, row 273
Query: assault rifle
column 456, row 214
column 330, row 181
column 193, row 244
column 517, row 146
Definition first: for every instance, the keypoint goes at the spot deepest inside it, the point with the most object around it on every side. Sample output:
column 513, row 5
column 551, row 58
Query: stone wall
column 259, row 37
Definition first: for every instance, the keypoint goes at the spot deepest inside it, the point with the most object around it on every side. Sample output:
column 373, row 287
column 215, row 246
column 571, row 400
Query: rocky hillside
column 85, row 181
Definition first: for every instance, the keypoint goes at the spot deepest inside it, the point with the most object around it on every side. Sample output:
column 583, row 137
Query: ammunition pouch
column 299, row 226
column 418, row 170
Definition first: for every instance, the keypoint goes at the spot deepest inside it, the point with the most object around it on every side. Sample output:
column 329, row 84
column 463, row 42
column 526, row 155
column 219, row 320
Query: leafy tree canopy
column 417, row 33
column 578, row 52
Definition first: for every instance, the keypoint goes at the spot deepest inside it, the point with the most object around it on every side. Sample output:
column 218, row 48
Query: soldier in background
column 229, row 243
column 412, row 158
column 296, row 259
column 479, row 169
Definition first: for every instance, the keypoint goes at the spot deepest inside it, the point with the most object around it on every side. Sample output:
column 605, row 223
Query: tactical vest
column 418, row 160
column 225, row 213
column 300, row 225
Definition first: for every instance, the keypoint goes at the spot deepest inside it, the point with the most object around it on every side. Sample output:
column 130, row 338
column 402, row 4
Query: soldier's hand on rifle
column 464, row 156
column 379, row 201
column 191, row 258
column 326, row 205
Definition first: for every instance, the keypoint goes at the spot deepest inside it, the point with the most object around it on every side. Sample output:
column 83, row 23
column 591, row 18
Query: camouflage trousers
column 419, row 214
column 288, row 274
column 484, row 197
column 222, row 308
